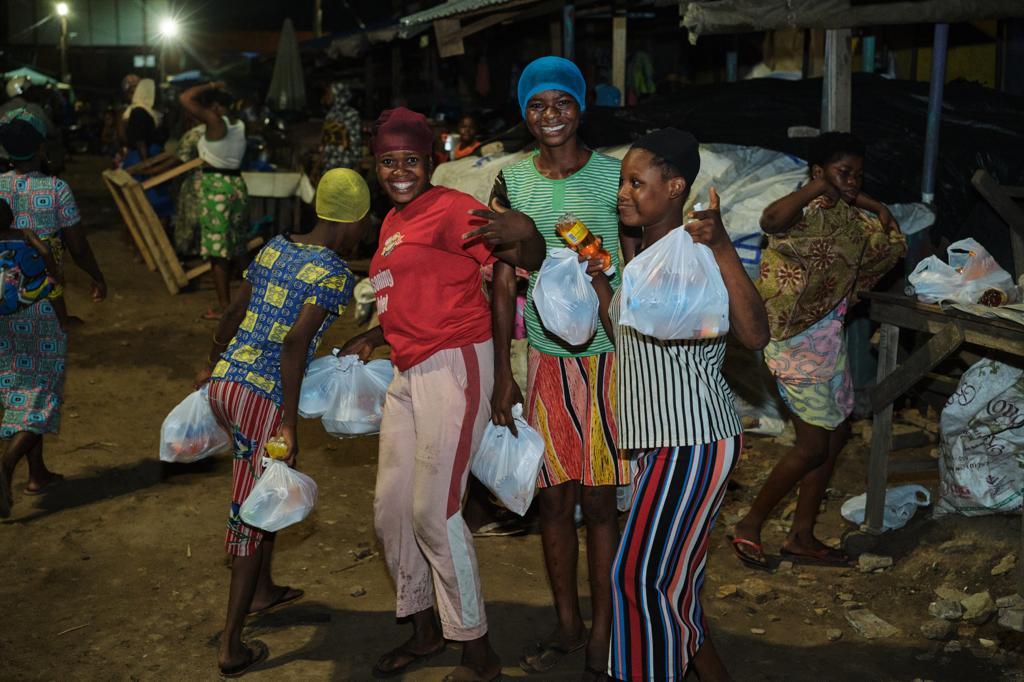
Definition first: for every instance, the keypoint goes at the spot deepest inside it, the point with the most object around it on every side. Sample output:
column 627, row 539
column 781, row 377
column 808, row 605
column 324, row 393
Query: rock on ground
column 756, row 590
column 947, row 609
column 869, row 625
column 936, row 628
column 870, row 562
column 978, row 607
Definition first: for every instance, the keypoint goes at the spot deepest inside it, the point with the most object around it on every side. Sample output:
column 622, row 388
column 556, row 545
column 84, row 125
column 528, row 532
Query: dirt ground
column 119, row 573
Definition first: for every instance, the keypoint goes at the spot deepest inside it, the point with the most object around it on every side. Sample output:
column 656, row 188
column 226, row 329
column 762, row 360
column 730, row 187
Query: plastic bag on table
column 509, row 465
column 357, row 401
column 565, row 300
column 190, row 432
column 281, row 497
column 970, row 274
column 674, row 290
column 900, row 504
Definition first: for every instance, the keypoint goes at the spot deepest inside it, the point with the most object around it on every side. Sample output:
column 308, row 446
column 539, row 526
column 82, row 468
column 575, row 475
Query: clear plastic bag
column 281, row 497
column 674, row 290
column 565, row 300
column 190, row 432
column 970, row 273
column 356, row 397
column 509, row 465
column 319, row 386
column 901, row 502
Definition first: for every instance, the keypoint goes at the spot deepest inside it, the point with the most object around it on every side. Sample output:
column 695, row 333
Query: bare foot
column 39, row 484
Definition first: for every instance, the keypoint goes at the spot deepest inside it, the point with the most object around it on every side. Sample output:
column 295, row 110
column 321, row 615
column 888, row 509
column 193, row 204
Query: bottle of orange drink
column 581, row 240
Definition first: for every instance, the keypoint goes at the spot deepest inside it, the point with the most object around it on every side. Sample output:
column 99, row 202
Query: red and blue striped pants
column 657, row 619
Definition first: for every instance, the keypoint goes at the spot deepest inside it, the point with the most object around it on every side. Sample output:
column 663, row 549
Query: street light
column 63, row 10
column 168, row 29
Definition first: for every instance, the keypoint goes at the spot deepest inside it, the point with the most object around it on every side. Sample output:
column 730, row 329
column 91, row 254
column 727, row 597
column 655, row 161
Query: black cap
column 678, row 147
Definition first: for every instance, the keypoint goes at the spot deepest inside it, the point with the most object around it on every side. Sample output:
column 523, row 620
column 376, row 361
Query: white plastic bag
column 190, row 432
column 971, row 271
column 981, row 432
column 320, row 385
column 565, row 300
column 356, row 395
column 674, row 290
column 900, row 504
column 509, row 465
column 282, row 496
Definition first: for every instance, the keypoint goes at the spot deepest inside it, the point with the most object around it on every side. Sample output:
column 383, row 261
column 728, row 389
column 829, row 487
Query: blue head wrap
column 552, row 73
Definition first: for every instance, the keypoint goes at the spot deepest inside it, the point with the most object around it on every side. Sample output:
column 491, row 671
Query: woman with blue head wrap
column 571, row 389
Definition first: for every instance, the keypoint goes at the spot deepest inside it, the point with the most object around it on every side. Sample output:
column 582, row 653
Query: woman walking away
column 822, row 249
column 570, row 389
column 33, row 345
column 676, row 412
column 224, row 201
column 295, row 288
column 341, row 143
column 433, row 313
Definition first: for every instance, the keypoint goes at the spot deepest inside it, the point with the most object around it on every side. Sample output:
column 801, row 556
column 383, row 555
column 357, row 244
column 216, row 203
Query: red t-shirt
column 427, row 279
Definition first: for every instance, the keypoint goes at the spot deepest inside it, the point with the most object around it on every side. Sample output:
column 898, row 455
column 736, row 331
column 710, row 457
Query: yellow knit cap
column 342, row 196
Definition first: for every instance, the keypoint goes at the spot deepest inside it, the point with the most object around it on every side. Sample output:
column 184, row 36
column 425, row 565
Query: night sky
column 269, row 14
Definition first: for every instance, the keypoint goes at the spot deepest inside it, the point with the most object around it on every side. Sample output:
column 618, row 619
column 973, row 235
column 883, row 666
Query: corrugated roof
column 447, row 9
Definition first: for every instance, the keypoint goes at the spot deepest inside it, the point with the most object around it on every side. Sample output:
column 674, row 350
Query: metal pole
column 569, row 31
column 318, row 18
column 931, row 140
column 867, row 54
column 64, row 75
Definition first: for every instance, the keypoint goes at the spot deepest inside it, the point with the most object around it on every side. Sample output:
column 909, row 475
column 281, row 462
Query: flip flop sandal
column 751, row 560
column 415, row 660
column 465, row 674
column 258, row 653
column 278, row 603
column 57, row 479
column 212, row 315
column 541, row 658
column 819, row 557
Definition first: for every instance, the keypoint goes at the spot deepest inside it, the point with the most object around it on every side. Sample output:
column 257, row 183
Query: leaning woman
column 433, row 313
column 224, row 201
column 675, row 411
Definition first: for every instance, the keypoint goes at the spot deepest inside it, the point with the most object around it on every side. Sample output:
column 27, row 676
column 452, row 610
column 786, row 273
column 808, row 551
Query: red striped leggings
column 251, row 419
column 657, row 620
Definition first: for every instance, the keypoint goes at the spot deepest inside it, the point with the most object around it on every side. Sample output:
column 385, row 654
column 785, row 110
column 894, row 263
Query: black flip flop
column 818, row 558
column 415, row 660
column 554, row 653
column 258, row 653
column 278, row 603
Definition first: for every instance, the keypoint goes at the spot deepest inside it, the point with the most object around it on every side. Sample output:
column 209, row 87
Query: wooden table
column 950, row 329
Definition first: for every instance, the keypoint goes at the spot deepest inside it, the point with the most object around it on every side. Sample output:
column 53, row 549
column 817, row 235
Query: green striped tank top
column 590, row 193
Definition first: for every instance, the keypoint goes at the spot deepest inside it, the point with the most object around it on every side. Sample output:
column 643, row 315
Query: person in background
column 469, row 132
column 295, row 288
column 33, row 344
column 144, row 139
column 341, row 143
column 187, row 205
column 434, row 315
column 570, row 390
column 223, row 197
column 823, row 247
column 676, row 412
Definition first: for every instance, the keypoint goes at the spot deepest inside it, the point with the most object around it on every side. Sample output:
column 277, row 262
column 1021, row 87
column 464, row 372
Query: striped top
column 670, row 393
column 590, row 193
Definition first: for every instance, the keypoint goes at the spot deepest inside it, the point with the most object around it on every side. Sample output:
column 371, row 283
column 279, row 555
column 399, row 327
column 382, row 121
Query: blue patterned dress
column 32, row 344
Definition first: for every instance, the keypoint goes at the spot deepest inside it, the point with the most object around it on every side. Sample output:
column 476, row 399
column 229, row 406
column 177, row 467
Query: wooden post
column 881, row 435
column 619, row 54
column 569, row 31
column 835, row 96
column 1003, row 204
column 555, row 31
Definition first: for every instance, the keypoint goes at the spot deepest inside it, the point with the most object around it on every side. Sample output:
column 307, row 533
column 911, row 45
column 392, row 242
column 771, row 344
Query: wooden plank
column 619, row 55
column 126, row 217
column 912, row 466
column 1014, row 191
column 1008, row 210
column 913, row 369
column 149, row 183
column 149, row 163
column 136, row 200
column 881, row 435
column 156, row 238
column 449, row 42
column 836, row 93
column 988, row 335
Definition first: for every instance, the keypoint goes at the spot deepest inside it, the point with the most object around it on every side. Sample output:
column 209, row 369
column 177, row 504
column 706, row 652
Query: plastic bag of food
column 565, row 300
column 971, row 276
column 509, row 465
column 281, row 497
column 356, row 397
column 191, row 432
column 674, row 290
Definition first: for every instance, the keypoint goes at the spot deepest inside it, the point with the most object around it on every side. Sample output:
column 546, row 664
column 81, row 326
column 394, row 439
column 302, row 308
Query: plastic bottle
column 276, row 447
column 581, row 240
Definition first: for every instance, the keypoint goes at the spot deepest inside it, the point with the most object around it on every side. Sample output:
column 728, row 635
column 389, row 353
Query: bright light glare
column 169, row 27
column 63, row 9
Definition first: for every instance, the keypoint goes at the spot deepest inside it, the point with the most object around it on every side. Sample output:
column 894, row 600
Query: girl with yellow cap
column 294, row 289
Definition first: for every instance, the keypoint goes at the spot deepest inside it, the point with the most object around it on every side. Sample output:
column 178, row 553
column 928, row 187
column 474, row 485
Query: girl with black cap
column 676, row 413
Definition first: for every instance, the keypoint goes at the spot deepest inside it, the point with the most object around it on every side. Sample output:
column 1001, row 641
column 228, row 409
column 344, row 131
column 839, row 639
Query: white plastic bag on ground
column 971, row 272
column 565, row 300
column 900, row 504
column 509, row 465
column 674, row 290
column 357, row 392
column 191, row 432
column 982, row 431
column 281, row 497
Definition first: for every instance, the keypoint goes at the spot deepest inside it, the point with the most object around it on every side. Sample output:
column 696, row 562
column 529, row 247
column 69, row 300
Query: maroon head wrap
column 402, row 130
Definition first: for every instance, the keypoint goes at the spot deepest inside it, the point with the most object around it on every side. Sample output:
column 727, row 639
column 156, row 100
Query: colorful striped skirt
column 657, row 620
